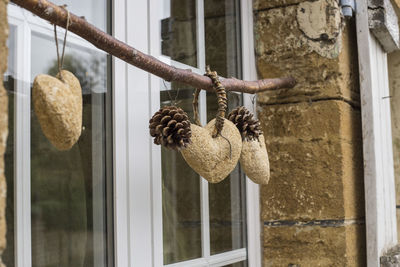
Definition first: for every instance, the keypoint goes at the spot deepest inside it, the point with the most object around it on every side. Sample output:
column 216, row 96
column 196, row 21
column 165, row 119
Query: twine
column 222, row 100
column 61, row 62
column 222, row 105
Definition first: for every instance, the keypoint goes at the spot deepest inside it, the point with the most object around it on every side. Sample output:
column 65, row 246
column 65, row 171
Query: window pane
column 94, row 11
column 227, row 199
column 238, row 264
column 178, row 31
column 222, row 36
column 9, row 83
column 70, row 189
column 181, row 194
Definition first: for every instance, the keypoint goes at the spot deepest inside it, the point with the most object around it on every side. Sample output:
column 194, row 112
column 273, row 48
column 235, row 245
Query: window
column 203, row 224
column 115, row 199
column 60, row 211
column 201, row 219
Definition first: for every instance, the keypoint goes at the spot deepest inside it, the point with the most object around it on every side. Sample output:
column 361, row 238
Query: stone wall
column 394, row 84
column 313, row 207
column 3, row 121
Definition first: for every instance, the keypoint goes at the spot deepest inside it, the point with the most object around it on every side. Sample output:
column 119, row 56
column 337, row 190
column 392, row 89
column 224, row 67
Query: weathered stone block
column 315, row 157
column 325, row 67
column 342, row 245
column 394, row 84
column 311, row 121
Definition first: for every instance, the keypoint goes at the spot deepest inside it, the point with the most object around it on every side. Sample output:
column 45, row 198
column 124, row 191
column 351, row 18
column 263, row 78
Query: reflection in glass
column 94, row 11
column 178, row 31
column 222, row 36
column 181, row 194
column 69, row 190
column 9, row 84
column 226, row 199
column 238, row 264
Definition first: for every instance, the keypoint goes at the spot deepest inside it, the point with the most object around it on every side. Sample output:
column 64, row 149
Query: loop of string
column 61, row 62
column 174, row 101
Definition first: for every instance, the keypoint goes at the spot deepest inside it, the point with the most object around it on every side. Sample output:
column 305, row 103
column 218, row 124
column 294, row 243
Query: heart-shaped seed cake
column 58, row 107
column 213, row 158
column 254, row 160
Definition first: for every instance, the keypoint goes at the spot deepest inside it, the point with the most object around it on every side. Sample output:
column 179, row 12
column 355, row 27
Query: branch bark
column 58, row 15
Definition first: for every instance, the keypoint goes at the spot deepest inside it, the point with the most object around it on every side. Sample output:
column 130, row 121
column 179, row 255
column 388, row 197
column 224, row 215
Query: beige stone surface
column 315, row 153
column 213, row 158
column 254, row 160
column 324, row 67
column 313, row 135
column 58, row 107
column 394, row 84
column 314, row 245
column 3, row 121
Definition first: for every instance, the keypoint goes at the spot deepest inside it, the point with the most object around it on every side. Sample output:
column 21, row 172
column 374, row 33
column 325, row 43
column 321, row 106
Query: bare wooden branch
column 58, row 15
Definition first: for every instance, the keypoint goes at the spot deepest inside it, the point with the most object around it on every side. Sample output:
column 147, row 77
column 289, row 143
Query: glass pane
column 227, row 198
column 178, row 31
column 181, row 193
column 237, row 264
column 9, row 83
column 71, row 201
column 222, row 36
column 94, row 11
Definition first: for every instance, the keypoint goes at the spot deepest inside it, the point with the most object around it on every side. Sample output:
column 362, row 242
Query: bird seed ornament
column 254, row 156
column 215, row 149
column 57, row 103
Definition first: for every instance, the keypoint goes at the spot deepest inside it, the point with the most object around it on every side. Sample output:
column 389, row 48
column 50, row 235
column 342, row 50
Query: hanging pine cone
column 170, row 127
column 246, row 124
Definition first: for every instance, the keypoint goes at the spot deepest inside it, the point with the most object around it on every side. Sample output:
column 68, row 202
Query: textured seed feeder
column 213, row 158
column 212, row 151
column 58, row 107
column 215, row 149
column 254, row 157
column 58, row 102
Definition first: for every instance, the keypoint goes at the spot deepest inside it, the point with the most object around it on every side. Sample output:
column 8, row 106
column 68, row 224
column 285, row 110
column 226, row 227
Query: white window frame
column 137, row 162
column 380, row 203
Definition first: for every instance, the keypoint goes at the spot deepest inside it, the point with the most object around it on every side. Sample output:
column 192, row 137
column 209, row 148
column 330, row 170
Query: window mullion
column 201, row 62
column 23, row 249
column 204, row 196
column 201, row 47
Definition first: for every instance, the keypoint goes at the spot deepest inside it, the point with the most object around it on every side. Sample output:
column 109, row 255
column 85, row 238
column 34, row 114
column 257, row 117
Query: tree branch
column 58, row 15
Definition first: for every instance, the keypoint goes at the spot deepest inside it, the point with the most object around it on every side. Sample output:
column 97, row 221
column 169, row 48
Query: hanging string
column 174, row 102
column 61, row 62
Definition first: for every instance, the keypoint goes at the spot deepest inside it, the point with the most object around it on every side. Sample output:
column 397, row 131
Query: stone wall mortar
column 3, row 120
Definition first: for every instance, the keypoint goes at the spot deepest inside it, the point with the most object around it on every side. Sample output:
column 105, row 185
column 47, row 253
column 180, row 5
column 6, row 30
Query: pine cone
column 248, row 127
column 170, row 127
